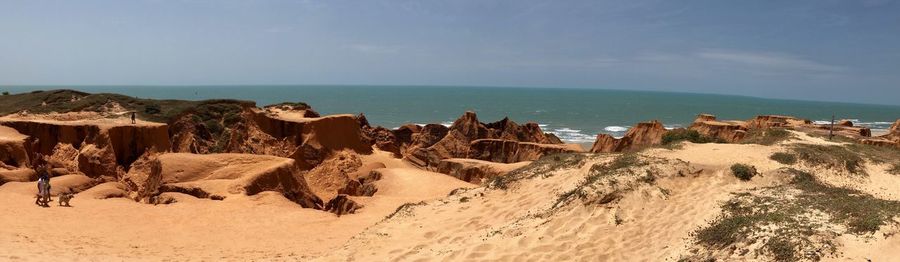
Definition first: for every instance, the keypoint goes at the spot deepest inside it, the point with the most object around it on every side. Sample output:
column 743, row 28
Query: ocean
column 575, row 115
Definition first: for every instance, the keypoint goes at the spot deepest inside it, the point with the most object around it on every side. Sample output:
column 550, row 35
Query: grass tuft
column 784, row 158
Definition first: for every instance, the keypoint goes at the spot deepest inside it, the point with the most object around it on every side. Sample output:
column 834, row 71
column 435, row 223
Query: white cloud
column 768, row 61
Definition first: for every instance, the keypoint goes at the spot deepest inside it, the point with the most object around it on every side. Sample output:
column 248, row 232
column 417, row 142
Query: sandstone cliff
column 97, row 150
column 727, row 131
column 641, row 135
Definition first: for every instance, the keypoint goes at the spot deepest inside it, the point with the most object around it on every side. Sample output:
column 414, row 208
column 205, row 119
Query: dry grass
column 832, row 157
column 768, row 136
column 795, row 221
column 543, row 167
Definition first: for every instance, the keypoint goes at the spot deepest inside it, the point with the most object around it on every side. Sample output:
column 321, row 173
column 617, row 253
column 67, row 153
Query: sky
column 814, row 50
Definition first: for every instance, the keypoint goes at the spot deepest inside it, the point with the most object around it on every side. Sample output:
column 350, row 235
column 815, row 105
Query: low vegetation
column 62, row 101
column 877, row 154
column 589, row 190
column 681, row 134
column 743, row 172
column 767, row 136
column 894, row 169
column 784, row 158
column 292, row 105
column 6, row 93
column 544, row 167
column 795, row 221
column 830, row 156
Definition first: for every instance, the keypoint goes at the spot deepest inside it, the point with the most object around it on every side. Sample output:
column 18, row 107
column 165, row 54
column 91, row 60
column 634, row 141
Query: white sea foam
column 670, row 127
column 568, row 130
column 616, row 128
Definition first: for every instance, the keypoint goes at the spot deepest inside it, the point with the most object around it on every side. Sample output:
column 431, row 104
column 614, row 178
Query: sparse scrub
column 543, row 167
column 743, row 172
column 877, row 154
column 624, row 164
column 784, row 158
column 6, row 93
column 768, row 136
column 404, row 209
column 830, row 157
column 788, row 219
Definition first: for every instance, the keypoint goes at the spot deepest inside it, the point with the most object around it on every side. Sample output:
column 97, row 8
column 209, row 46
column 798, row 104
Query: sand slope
column 239, row 228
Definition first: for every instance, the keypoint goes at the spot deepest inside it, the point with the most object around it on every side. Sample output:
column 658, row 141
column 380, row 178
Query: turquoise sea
column 575, row 115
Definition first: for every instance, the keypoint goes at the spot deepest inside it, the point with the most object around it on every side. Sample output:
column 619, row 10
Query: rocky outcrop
column 473, row 170
column 508, row 151
column 381, row 137
column 315, row 138
column 342, row 205
column 891, row 139
column 13, row 145
column 362, row 182
column 770, row 121
column 845, row 122
column 459, row 137
column 344, row 173
column 641, row 135
column 95, row 150
column 730, row 131
column 223, row 174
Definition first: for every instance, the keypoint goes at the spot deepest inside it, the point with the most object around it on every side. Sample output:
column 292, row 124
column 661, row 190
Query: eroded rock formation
column 222, row 174
column 641, row 135
column 509, row 151
column 458, row 139
column 727, row 131
column 473, row 170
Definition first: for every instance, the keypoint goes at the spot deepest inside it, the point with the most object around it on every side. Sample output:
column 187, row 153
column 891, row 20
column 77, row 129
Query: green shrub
column 6, row 93
column 681, row 134
column 784, row 158
column 743, row 172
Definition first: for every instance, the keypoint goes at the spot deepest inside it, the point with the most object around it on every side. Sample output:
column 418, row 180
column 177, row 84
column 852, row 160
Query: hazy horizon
column 836, row 51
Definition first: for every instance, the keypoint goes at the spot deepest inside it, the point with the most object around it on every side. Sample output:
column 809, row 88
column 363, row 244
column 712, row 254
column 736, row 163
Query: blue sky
column 817, row 50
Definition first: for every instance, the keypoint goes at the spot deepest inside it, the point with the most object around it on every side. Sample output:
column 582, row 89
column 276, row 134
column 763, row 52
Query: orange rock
column 731, row 131
column 217, row 175
column 641, row 135
column 769, row 121
column 508, row 151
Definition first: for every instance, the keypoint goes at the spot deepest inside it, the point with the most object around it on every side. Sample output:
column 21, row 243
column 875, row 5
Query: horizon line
column 65, row 86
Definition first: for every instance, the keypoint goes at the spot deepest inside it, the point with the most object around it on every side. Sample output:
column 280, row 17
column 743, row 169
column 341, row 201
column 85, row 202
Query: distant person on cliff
column 132, row 117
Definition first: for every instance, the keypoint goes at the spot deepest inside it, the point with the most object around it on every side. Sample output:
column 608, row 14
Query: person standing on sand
column 132, row 117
